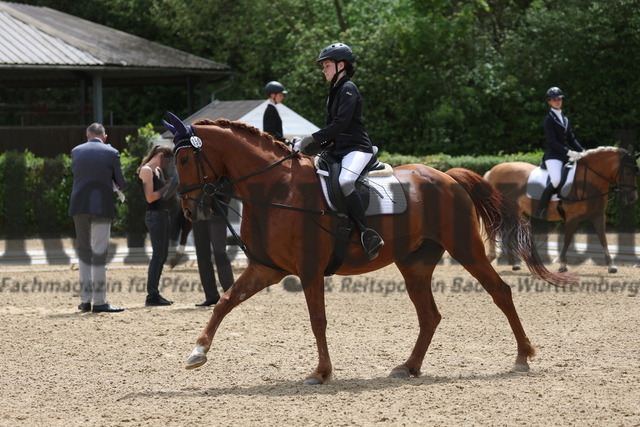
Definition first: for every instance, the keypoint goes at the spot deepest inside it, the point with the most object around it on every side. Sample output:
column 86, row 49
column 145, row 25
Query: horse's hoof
column 613, row 269
column 197, row 358
column 312, row 381
column 194, row 362
column 563, row 270
column 520, row 368
column 515, row 268
column 399, row 373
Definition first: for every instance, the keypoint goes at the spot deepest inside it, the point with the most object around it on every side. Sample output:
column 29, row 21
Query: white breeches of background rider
column 554, row 167
column 352, row 166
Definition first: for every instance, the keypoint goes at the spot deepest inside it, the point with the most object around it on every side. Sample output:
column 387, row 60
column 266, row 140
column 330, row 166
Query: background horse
column 596, row 171
column 287, row 229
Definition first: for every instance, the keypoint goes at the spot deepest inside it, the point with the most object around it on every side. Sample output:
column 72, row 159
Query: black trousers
column 210, row 238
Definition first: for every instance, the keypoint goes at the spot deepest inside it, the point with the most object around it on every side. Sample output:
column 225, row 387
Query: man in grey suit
column 97, row 173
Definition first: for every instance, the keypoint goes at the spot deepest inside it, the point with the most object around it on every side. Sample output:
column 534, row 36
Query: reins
column 227, row 182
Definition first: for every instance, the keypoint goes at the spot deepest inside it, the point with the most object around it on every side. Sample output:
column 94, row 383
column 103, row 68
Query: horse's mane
column 230, row 124
column 595, row 151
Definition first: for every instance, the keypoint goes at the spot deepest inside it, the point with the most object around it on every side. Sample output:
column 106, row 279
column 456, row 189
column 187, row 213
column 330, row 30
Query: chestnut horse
column 596, row 172
column 287, row 229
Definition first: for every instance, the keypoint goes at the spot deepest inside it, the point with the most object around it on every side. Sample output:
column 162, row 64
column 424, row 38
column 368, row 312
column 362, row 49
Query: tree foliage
column 451, row 76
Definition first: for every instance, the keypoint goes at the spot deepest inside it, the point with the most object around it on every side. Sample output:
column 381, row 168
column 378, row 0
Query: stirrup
column 371, row 242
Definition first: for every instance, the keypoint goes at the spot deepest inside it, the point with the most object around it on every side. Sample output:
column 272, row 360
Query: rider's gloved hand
column 307, row 146
column 574, row 156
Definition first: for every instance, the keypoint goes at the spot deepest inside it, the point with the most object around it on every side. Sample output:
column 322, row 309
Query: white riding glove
column 307, row 145
column 574, row 156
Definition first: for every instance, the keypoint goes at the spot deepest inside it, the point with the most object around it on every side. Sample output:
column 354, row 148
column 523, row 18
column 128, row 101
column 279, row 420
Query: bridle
column 617, row 185
column 204, row 182
column 222, row 188
column 628, row 161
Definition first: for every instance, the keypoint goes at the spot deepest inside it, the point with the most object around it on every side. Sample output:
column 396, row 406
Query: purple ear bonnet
column 176, row 126
column 183, row 135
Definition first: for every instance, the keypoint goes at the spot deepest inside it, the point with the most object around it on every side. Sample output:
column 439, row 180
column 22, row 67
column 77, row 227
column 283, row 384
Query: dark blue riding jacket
column 560, row 138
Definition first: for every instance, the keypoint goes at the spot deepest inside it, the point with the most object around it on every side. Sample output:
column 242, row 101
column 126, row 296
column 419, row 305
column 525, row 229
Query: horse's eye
column 184, row 160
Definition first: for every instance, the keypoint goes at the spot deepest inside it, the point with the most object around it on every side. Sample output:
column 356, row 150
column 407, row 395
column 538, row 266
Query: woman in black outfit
column 156, row 218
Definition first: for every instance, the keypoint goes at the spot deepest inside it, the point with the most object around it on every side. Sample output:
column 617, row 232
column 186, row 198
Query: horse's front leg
column 314, row 294
column 599, row 224
column 253, row 280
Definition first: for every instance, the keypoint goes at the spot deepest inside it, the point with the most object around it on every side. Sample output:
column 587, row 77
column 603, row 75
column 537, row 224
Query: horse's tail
column 501, row 217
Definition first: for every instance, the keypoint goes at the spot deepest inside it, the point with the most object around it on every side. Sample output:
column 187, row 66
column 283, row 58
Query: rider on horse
column 562, row 147
column 345, row 135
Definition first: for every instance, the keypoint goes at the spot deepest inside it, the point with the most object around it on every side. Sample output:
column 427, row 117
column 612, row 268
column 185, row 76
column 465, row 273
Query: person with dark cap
column 345, row 136
column 562, row 147
column 271, row 120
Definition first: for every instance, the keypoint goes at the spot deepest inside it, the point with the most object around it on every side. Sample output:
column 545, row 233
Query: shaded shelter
column 43, row 48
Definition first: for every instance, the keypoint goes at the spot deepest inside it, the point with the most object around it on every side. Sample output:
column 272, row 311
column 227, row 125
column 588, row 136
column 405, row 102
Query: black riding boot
column 541, row 212
column 371, row 240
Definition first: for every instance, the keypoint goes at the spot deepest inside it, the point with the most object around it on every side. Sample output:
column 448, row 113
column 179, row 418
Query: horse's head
column 611, row 165
column 628, row 173
column 196, row 172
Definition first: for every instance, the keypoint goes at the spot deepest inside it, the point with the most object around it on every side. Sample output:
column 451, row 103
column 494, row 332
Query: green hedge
column 34, row 194
column 443, row 162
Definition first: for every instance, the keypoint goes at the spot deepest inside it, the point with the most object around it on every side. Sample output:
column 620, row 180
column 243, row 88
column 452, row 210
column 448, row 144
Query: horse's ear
column 179, row 128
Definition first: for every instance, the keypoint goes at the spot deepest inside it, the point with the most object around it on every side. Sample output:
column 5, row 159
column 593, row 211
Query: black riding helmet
column 554, row 92
column 274, row 87
column 337, row 52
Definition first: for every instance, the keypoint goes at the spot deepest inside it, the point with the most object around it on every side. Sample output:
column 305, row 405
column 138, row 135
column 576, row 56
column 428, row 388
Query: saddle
column 539, row 178
column 330, row 168
column 387, row 194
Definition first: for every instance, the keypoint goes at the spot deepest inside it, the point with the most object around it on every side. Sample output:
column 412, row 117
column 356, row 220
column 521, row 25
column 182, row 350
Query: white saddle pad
column 386, row 195
column 538, row 181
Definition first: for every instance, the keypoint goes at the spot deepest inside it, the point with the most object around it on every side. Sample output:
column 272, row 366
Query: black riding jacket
column 272, row 123
column 344, row 124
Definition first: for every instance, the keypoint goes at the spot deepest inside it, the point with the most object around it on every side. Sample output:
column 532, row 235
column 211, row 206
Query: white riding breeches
column 554, row 167
column 352, row 166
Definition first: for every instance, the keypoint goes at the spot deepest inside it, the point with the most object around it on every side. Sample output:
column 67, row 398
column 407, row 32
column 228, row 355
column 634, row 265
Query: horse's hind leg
column 570, row 228
column 417, row 270
column 599, row 224
column 471, row 256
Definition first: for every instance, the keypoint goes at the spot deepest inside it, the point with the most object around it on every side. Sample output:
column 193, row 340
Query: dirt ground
column 61, row 367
